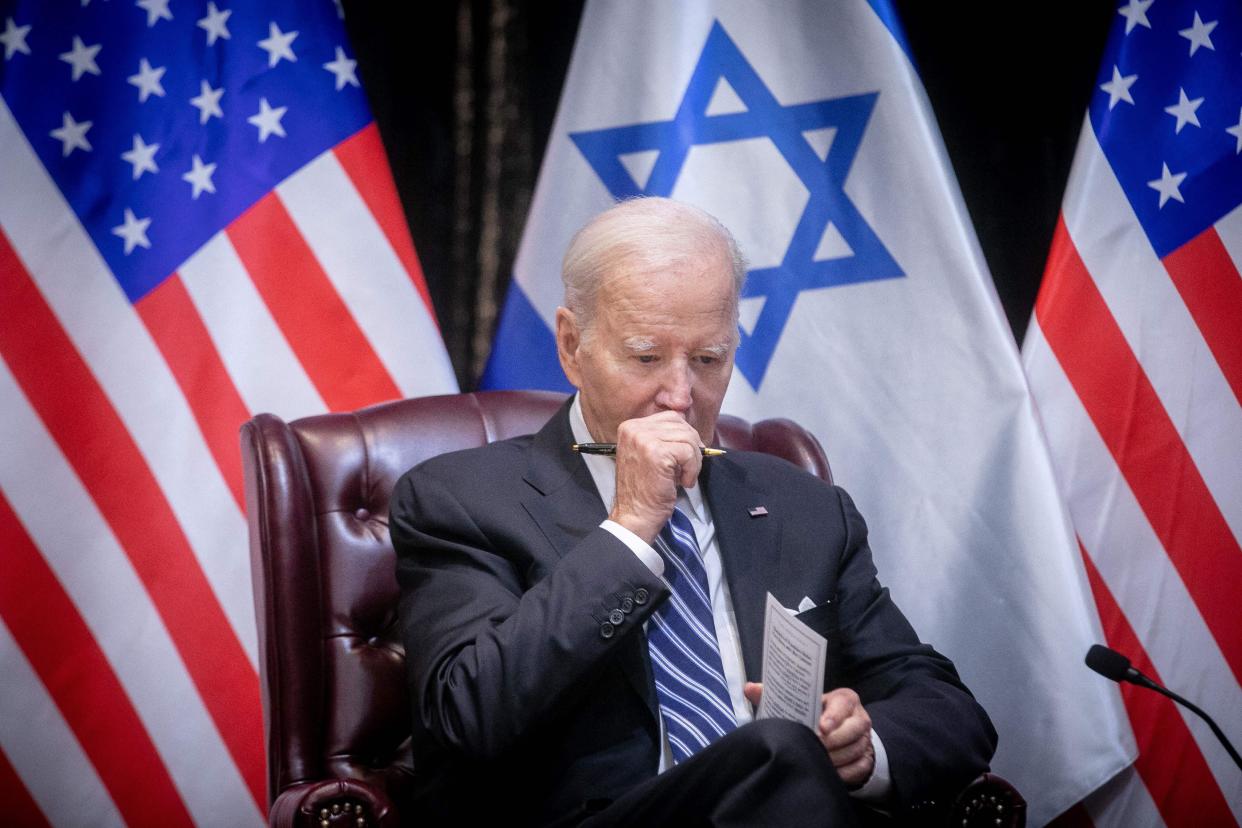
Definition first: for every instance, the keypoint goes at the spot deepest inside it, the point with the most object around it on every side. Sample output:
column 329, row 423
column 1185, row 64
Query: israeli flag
column 868, row 316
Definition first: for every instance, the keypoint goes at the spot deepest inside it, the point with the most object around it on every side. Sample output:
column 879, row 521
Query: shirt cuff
column 875, row 789
column 650, row 558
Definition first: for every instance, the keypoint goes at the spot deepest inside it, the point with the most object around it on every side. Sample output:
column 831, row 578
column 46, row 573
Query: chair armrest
column 989, row 801
column 333, row 803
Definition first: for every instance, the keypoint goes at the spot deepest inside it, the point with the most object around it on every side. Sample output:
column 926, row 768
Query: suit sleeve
column 490, row 651
column 937, row 737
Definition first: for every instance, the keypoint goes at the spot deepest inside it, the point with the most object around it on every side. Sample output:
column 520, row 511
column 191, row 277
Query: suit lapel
column 749, row 550
column 566, row 507
column 564, row 504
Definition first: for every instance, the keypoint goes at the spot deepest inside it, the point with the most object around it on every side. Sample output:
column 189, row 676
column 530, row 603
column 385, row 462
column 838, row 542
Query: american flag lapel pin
column 757, row 511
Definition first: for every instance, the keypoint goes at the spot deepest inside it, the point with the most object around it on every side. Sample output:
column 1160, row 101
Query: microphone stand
column 1116, row 667
column 1143, row 681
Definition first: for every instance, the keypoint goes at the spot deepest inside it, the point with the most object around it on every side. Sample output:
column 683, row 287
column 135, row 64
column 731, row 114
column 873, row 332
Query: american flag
column 1135, row 359
column 197, row 223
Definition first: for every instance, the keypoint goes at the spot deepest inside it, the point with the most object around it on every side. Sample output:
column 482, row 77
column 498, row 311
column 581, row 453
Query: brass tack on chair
column 323, row 814
column 336, row 808
column 362, row 823
column 323, row 823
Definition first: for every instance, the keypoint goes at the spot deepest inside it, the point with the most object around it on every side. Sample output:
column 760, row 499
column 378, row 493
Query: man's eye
column 708, row 359
column 646, row 358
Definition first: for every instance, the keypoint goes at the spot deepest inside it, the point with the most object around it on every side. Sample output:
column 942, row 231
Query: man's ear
column 568, row 340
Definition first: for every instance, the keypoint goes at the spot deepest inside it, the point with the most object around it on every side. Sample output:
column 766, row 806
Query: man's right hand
column 655, row 455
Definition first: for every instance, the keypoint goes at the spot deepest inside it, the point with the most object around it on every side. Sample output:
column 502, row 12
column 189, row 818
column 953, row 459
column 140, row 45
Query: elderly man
column 581, row 629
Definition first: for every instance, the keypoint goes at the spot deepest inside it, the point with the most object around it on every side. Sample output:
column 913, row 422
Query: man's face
column 659, row 341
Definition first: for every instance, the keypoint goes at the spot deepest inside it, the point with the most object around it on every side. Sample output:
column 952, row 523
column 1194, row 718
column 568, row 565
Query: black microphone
column 1113, row 665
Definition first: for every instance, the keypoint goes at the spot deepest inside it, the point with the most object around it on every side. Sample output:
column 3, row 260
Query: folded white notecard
column 793, row 667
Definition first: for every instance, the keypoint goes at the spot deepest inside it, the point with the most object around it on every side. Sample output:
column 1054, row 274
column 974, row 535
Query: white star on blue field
column 764, row 117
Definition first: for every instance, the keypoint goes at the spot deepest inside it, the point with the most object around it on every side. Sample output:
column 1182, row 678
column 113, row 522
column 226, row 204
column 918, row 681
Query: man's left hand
column 845, row 730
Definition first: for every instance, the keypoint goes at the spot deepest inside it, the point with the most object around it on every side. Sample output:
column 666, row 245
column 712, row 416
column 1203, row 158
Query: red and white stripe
column 127, row 638
column 1136, row 367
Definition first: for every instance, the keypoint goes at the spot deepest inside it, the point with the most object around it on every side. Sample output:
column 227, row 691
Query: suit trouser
column 769, row 772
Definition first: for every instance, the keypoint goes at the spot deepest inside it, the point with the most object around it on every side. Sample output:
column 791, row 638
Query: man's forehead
column 653, row 295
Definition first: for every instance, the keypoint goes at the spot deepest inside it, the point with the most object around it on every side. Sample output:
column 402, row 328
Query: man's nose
column 675, row 390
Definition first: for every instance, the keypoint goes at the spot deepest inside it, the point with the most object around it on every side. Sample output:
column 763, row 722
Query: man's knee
column 782, row 742
column 784, row 777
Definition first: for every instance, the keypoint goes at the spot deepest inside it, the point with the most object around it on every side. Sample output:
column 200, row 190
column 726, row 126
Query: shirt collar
column 603, row 469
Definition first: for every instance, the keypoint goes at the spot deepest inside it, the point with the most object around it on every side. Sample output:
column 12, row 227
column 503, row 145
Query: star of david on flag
column 818, row 139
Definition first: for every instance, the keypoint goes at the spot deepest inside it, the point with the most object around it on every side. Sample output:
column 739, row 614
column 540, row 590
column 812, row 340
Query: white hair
column 646, row 234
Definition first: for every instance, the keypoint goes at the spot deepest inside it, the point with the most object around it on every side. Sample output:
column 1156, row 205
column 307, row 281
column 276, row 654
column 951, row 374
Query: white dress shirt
column 691, row 502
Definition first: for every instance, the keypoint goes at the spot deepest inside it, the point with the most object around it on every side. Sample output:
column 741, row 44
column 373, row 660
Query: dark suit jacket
column 527, row 702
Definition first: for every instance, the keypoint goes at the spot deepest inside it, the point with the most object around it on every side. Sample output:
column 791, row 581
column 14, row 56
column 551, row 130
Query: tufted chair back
column 335, row 709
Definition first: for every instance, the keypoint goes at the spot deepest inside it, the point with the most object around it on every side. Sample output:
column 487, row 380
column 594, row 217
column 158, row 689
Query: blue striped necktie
column 685, row 657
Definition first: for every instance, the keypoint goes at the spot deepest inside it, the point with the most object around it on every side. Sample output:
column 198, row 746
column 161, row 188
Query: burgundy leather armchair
column 335, row 708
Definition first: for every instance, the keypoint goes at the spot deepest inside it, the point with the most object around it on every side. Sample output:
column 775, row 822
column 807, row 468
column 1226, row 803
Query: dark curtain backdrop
column 464, row 92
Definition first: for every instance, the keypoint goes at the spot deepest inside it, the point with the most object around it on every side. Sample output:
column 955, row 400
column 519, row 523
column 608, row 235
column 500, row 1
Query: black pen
column 610, row 449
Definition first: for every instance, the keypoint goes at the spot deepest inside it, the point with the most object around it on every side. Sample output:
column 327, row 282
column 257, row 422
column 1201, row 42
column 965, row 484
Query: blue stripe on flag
column 523, row 350
column 888, row 16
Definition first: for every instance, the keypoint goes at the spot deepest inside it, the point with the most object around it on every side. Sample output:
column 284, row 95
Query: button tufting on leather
column 362, row 514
